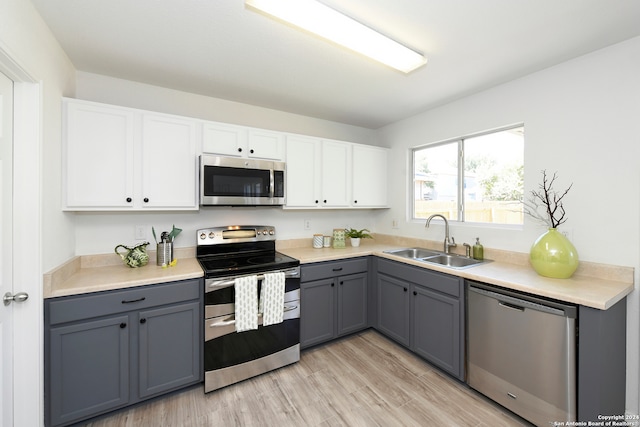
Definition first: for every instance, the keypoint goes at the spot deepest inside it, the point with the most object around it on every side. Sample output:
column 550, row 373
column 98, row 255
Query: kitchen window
column 477, row 178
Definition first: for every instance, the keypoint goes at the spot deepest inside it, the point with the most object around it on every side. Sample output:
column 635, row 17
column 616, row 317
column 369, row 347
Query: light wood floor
column 362, row 380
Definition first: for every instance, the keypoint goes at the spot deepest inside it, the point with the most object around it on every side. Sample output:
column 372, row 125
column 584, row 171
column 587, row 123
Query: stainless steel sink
column 453, row 261
column 413, row 253
column 436, row 257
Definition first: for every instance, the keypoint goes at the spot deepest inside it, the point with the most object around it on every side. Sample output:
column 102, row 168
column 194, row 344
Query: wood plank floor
column 361, row 380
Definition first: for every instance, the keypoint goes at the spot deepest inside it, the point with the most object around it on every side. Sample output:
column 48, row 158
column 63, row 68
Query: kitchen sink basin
column 413, row 253
column 436, row 257
column 453, row 261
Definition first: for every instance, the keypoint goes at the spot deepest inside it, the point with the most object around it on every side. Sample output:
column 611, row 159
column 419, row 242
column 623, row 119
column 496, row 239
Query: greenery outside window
column 477, row 178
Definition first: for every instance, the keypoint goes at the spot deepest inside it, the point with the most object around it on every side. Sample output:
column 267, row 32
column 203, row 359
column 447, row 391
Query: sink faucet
column 449, row 242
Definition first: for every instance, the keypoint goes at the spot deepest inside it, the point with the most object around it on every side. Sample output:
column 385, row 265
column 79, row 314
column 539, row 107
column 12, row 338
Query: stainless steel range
column 228, row 255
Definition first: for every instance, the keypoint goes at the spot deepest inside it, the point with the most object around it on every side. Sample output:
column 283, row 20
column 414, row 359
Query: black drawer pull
column 405, row 289
column 415, row 293
column 337, row 269
column 143, row 320
column 124, row 301
column 123, row 325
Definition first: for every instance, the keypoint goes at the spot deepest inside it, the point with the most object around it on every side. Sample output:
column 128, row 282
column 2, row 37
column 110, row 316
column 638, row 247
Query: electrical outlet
column 141, row 232
column 394, row 223
column 307, row 224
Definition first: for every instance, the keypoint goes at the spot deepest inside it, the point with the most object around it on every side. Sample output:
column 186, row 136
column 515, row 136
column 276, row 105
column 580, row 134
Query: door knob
column 8, row 298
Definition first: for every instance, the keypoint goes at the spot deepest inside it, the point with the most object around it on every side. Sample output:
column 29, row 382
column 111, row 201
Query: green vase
column 553, row 255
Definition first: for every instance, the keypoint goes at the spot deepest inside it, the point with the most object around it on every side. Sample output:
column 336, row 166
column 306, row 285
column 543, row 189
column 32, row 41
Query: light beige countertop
column 95, row 273
column 593, row 285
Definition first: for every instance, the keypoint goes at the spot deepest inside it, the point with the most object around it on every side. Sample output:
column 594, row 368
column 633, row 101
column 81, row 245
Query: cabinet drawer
column 323, row 270
column 440, row 282
column 69, row 309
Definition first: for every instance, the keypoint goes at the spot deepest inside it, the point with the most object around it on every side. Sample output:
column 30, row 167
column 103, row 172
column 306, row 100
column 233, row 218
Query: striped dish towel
column 246, row 290
column 272, row 298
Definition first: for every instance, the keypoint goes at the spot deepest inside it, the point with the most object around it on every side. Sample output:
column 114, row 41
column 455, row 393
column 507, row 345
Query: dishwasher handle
column 515, row 301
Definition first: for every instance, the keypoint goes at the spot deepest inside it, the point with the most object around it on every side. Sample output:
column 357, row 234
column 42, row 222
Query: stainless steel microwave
column 229, row 181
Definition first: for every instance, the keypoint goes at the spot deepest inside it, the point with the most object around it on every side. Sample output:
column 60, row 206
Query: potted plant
column 356, row 235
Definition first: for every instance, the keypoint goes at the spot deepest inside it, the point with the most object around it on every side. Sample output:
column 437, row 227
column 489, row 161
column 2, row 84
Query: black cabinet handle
column 337, row 269
column 143, row 321
column 341, row 283
column 146, row 200
column 316, row 201
column 239, row 150
column 124, row 301
column 251, row 151
column 123, row 325
column 325, row 201
column 128, row 199
column 405, row 289
column 355, row 201
column 333, row 284
column 415, row 293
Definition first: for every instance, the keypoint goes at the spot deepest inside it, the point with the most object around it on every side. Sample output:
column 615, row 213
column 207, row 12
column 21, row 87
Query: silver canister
column 164, row 253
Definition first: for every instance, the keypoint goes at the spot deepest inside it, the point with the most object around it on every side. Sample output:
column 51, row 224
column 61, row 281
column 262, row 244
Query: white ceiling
column 220, row 49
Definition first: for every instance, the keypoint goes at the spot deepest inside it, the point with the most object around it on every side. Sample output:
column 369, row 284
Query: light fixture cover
column 319, row 19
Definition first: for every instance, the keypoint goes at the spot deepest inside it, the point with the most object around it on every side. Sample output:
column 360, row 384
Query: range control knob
column 203, row 236
column 272, row 232
column 212, row 235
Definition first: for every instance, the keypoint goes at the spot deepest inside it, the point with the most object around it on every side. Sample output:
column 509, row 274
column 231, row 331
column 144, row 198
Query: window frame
column 460, row 175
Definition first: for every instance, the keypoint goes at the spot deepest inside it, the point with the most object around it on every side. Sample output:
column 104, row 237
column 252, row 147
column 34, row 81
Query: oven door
column 232, row 181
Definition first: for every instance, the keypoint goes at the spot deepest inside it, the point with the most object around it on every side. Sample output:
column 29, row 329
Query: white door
column 6, row 179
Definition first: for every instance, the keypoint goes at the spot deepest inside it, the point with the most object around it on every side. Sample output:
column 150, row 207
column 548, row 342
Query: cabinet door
column 393, row 308
column 169, row 173
column 303, row 171
column 221, row 138
column 317, row 312
column 264, row 144
column 89, row 371
column 98, row 144
column 336, row 174
column 369, row 176
column 436, row 329
column 169, row 348
column 352, row 303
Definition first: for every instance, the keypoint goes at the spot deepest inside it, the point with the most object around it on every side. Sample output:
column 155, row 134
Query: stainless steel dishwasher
column 521, row 352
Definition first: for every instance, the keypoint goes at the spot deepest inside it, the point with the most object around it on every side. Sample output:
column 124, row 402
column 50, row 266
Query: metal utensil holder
column 164, row 253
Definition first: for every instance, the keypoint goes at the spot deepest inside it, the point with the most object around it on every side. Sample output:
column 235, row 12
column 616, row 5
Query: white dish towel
column 246, row 290
column 272, row 298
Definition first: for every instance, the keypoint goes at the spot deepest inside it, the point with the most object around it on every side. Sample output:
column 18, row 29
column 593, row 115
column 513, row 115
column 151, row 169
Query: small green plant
column 357, row 234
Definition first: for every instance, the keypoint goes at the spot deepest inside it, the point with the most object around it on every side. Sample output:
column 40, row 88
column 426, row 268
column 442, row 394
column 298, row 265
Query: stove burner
column 217, row 264
column 267, row 259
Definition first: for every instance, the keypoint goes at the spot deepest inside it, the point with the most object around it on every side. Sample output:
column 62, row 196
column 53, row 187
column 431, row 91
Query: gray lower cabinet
column 424, row 311
column 333, row 299
column 107, row 350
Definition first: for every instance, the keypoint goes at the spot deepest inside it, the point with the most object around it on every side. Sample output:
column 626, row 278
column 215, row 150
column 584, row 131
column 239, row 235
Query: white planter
column 355, row 242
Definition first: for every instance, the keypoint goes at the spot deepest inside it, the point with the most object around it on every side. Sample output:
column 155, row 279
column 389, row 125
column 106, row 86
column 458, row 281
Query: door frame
column 28, row 353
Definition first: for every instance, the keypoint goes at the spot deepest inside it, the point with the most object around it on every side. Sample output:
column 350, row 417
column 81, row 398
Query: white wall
column 28, row 40
column 580, row 120
column 99, row 233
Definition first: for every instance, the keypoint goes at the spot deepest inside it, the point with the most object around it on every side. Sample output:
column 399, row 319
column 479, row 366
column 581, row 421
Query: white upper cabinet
column 168, row 157
column 117, row 158
column 369, row 176
column 334, row 174
column 239, row 141
column 303, row 172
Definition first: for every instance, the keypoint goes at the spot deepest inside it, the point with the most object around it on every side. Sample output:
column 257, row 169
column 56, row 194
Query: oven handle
column 230, row 320
column 214, row 284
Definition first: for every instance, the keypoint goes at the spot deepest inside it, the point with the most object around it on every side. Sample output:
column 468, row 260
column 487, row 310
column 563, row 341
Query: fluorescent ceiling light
column 332, row 25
